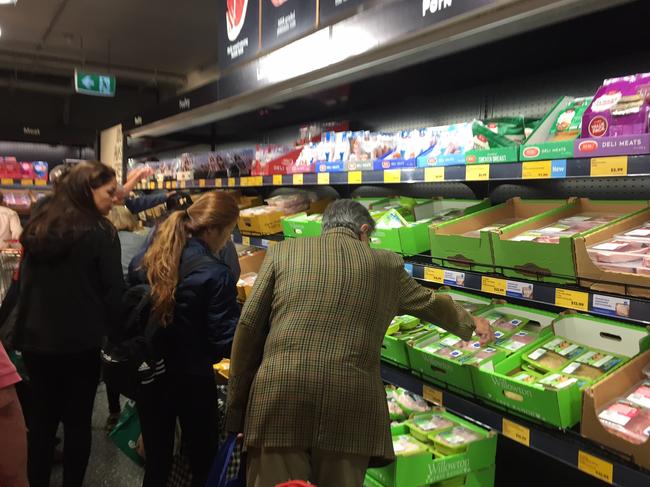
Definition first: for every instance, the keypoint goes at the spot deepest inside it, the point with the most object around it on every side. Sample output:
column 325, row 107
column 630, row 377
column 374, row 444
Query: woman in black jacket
column 194, row 300
column 70, row 292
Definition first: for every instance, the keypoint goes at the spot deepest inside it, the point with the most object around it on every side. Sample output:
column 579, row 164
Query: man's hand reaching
column 483, row 330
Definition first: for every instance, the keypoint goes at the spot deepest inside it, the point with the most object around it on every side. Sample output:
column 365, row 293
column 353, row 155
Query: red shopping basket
column 296, row 483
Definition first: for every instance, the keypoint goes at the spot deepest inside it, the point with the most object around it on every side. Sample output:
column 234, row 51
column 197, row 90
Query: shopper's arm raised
column 248, row 346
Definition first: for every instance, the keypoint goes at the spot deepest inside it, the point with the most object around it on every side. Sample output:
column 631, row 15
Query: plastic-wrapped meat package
column 640, row 396
column 258, row 210
column 455, row 440
column 291, row 203
column 626, row 420
column 558, row 381
column 518, row 341
column 482, row 355
column 566, row 227
column 505, row 323
column 405, row 445
column 432, row 422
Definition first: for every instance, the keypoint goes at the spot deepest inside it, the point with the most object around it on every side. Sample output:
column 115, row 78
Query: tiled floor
column 108, row 466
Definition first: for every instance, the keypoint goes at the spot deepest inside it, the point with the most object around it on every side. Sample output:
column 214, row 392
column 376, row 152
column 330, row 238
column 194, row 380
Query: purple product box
column 621, row 107
column 626, row 145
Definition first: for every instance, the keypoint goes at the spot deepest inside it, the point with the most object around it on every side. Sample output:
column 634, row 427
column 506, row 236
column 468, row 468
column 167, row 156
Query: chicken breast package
column 593, row 365
column 555, row 354
column 627, row 252
column 566, row 227
column 455, row 440
column 505, row 323
column 406, row 445
column 423, row 425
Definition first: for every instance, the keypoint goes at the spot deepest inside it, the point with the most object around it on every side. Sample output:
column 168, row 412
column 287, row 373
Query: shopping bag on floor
column 126, row 433
column 219, row 473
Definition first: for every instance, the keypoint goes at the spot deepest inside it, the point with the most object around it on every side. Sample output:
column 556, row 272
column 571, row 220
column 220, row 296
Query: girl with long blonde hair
column 194, row 300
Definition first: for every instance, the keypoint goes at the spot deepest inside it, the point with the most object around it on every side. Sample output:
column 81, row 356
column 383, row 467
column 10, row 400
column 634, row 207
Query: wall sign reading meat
column 238, row 34
column 286, row 20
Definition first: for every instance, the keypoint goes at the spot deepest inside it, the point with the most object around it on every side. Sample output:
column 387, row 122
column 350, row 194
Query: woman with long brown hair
column 70, row 293
column 194, row 300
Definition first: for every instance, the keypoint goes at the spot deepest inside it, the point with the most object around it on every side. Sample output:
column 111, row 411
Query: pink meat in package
column 621, row 107
column 627, row 252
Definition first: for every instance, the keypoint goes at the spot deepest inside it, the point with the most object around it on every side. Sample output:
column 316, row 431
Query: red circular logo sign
column 470, row 159
column 598, row 126
column 531, row 152
column 588, row 146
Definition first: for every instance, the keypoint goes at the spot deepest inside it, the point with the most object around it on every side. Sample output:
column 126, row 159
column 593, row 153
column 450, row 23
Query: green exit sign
column 94, row 84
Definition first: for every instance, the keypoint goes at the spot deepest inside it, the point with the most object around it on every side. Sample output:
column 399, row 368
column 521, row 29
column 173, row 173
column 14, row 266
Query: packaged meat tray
column 455, row 440
column 561, row 381
column 517, row 341
column 627, row 252
column 410, row 403
column 505, row 323
column 405, row 445
column 640, row 396
column 422, row 425
column 546, row 360
column 566, row 227
column 483, row 354
column 525, row 376
column 626, row 420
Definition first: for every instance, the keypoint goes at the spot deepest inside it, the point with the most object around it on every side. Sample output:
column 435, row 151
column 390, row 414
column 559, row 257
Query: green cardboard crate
column 414, row 239
column 548, row 262
column 429, row 468
column 450, row 246
column 560, row 408
column 459, row 377
column 301, row 225
column 477, row 478
column 538, row 147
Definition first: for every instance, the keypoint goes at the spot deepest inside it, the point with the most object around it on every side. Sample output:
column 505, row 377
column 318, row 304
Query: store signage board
column 94, row 84
column 286, row 20
column 335, row 9
column 238, row 31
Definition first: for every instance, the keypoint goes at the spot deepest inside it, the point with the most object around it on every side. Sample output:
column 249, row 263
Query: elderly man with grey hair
column 305, row 387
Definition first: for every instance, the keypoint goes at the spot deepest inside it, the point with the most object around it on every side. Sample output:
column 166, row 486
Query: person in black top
column 196, row 309
column 71, row 287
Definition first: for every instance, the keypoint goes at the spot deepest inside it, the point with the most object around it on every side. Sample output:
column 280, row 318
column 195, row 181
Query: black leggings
column 63, row 390
column 191, row 399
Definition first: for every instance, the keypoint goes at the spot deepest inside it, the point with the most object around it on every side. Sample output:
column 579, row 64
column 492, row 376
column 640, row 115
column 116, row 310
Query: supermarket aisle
column 108, row 466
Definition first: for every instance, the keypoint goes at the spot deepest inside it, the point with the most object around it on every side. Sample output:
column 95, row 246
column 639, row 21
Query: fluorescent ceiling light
column 8, row 2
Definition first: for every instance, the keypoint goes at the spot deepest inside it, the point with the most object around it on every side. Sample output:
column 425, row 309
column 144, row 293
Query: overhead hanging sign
column 238, row 31
column 336, row 9
column 434, row 11
column 286, row 20
column 94, row 84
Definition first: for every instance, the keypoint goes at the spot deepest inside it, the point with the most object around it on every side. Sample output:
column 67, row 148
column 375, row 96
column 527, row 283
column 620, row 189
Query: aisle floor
column 108, row 466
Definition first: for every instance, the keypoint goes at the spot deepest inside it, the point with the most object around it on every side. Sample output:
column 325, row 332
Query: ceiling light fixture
column 8, row 2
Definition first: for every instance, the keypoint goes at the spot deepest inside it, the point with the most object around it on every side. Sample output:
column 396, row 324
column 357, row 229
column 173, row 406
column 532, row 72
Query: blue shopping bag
column 219, row 472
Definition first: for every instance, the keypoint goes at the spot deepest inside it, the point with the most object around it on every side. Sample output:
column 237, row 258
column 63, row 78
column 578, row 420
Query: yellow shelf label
column 277, row 180
column 40, row 182
column 516, row 432
column 392, row 176
column 246, row 240
column 7, row 181
column 478, row 172
column 572, row 299
column 298, row 179
column 432, row 395
column 595, row 467
column 609, row 166
column 245, row 181
column 183, row 184
column 323, row 178
column 201, row 183
column 493, row 285
column 27, row 182
column 231, row 182
column 432, row 274
column 258, row 181
column 354, row 177
column 536, row 170
column 434, row 174
column 218, row 183
column 152, row 185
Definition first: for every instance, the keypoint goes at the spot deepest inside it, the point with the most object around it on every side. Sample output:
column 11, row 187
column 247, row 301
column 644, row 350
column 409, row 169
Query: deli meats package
column 566, row 227
column 627, row 252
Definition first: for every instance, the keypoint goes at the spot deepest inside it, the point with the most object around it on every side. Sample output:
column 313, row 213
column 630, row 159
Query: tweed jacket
column 305, row 363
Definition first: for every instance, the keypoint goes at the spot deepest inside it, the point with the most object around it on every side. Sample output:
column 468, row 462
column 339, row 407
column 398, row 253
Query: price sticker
column 434, row 174
column 572, row 299
column 7, row 181
column 323, row 178
column 246, row 240
column 298, row 179
column 201, row 183
column 257, row 181
column 493, row 285
column 152, row 185
column 536, row 170
column 183, row 184
column 41, row 182
column 609, row 166
column 231, row 182
column 354, row 177
column 393, row 176
column 277, row 180
column 595, row 467
column 432, row 395
column 218, row 183
column 516, row 432
column 478, row 172
column 245, row 181
column 26, row 182
column 432, row 274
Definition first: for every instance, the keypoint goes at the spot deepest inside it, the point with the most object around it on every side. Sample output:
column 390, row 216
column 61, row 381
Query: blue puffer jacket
column 205, row 316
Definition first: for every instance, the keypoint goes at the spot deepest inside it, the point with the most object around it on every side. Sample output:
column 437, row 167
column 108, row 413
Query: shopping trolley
column 9, row 262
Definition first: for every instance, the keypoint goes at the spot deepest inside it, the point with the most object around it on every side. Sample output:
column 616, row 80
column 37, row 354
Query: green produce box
column 302, row 225
column 451, row 245
column 414, row 239
column 553, row 262
column 477, row 478
column 539, row 145
column 428, row 468
column 560, row 408
column 458, row 376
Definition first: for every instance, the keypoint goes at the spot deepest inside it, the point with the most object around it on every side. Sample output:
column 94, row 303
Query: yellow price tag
column 392, row 176
column 493, row 285
column 277, row 180
column 434, row 174
column 152, row 185
column 354, row 177
column 201, row 183
column 432, row 274
column 231, row 182
column 323, row 178
column 478, row 172
column 26, row 182
column 183, row 184
column 572, row 299
column 258, row 181
column 516, row 432
column 7, row 181
column 218, row 183
column 168, row 185
column 246, row 240
column 596, row 467
column 609, row 166
column 245, row 181
column 432, row 395
column 536, row 170
column 40, row 182
column 298, row 179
